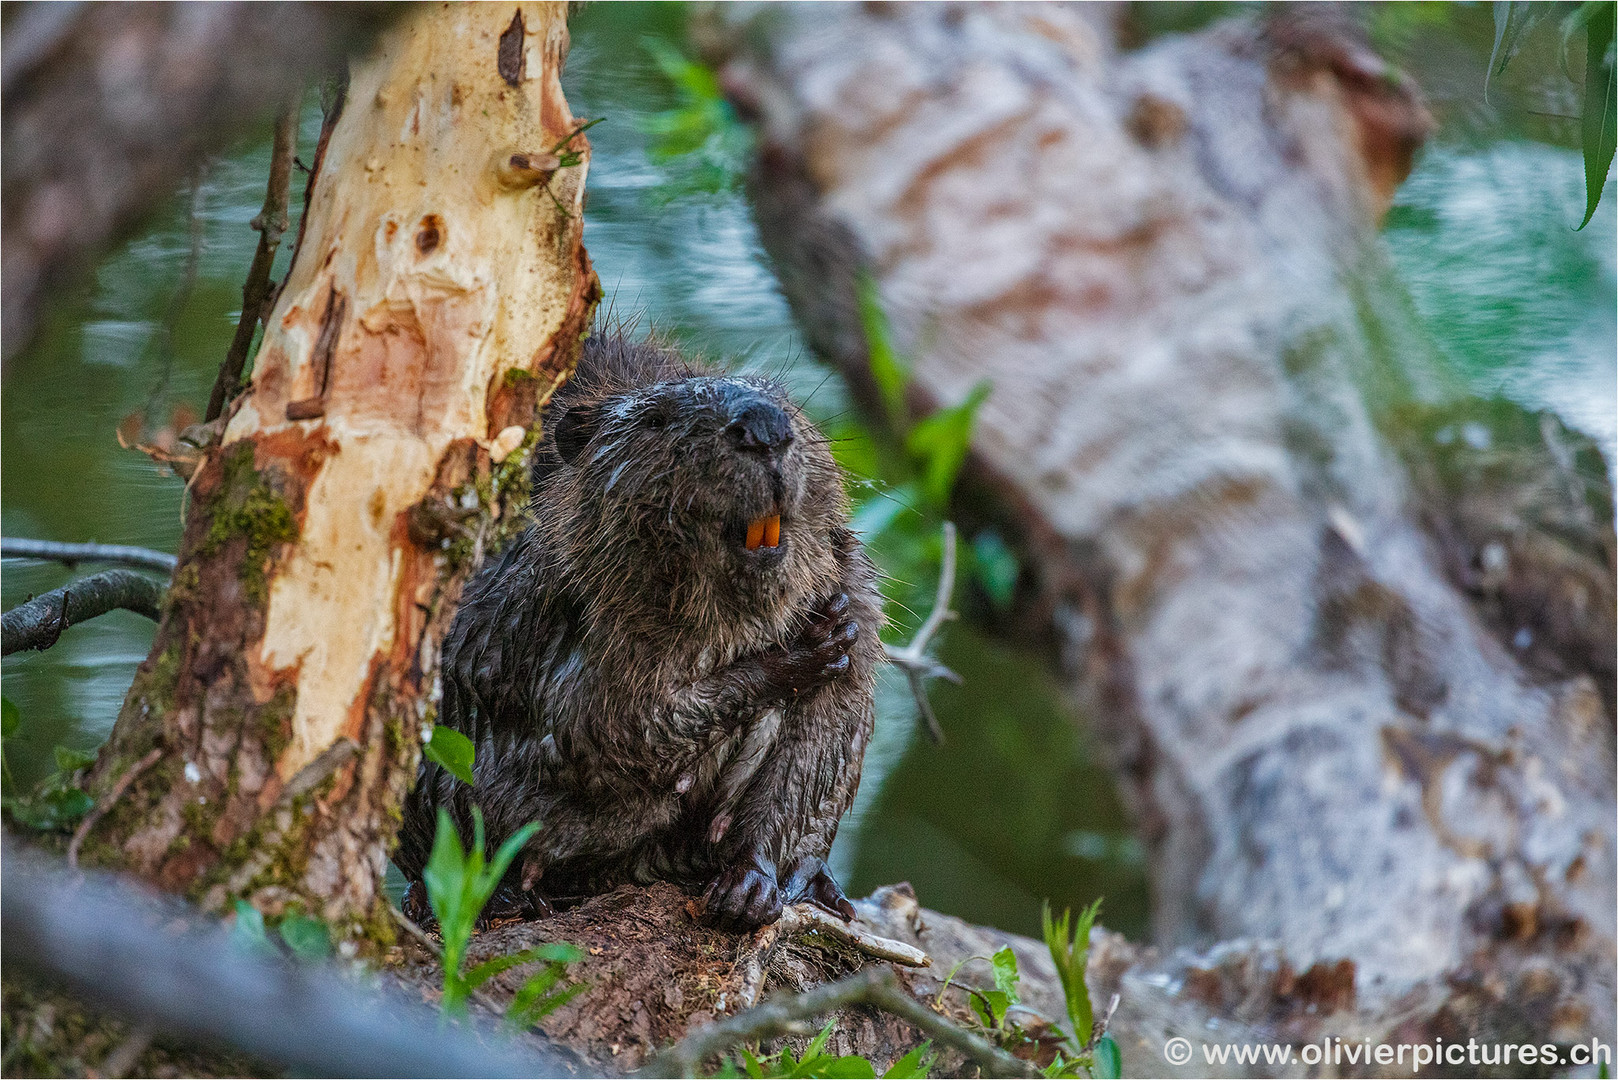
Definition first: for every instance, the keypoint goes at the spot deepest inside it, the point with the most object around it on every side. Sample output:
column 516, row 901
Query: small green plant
column 459, row 883
column 816, row 1062
column 1069, row 944
column 58, row 802
column 990, row 1006
column 1084, row 1052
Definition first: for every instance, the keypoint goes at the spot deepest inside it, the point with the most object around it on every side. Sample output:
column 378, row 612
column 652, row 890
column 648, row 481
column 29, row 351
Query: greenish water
column 1011, row 809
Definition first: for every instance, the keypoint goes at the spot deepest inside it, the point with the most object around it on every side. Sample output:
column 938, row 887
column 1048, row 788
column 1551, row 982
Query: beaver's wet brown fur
column 642, row 673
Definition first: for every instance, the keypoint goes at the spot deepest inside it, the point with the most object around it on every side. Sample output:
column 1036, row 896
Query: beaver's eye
column 656, row 420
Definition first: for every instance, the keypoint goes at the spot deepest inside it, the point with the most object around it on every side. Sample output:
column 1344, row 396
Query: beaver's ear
column 574, row 429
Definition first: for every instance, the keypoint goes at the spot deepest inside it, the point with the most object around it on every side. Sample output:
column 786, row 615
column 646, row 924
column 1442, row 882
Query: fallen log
column 1165, row 261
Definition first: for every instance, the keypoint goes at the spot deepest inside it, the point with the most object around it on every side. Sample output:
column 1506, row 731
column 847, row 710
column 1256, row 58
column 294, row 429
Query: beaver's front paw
column 819, row 653
column 811, row 881
column 744, row 895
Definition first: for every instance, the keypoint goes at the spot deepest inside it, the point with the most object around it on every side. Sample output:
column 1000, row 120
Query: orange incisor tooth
column 755, row 534
column 772, row 531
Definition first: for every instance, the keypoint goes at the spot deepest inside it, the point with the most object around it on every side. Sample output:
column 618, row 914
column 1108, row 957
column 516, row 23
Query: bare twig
column 108, row 801
column 1102, row 1023
column 38, row 623
column 16, row 547
column 271, row 224
column 799, row 919
column 913, row 658
column 411, row 927
column 874, row 986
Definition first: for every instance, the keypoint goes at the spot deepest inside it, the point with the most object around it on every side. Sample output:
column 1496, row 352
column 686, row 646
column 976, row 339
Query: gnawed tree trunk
column 437, row 295
column 1165, row 262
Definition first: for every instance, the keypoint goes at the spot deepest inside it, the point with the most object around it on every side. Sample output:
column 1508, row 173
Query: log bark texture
column 1166, row 262
column 438, row 293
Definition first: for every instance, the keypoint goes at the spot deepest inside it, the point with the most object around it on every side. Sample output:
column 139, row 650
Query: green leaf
column 555, row 952
column 1005, row 973
column 445, row 874
column 755, row 1067
column 1511, row 21
column 852, row 1067
column 10, row 718
column 817, row 1045
column 1600, row 120
column 306, row 937
column 1109, row 1063
column 940, row 443
column 694, row 79
column 890, row 371
column 452, row 750
column 913, row 1066
column 68, row 805
column 71, row 761
column 52, row 808
column 990, row 1005
column 249, row 933
column 528, row 1008
column 1070, row 953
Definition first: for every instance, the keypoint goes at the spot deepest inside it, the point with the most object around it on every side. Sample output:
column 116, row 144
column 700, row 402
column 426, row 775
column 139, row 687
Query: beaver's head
column 705, row 496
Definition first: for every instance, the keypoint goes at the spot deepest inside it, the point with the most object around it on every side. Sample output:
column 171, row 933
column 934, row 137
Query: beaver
column 672, row 669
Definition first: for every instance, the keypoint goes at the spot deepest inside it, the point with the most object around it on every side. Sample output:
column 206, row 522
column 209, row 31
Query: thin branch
column 874, row 986
column 799, row 919
column 1101, row 1025
column 913, row 658
column 271, row 224
column 108, row 801
column 18, row 547
column 38, row 623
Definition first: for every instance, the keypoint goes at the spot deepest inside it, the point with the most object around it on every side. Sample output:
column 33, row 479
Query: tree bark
column 1166, row 263
column 437, row 296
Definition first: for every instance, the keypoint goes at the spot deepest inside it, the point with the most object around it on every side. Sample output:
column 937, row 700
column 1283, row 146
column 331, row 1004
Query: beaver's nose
column 759, row 424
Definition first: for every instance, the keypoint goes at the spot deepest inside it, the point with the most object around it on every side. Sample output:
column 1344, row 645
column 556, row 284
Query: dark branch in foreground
column 38, row 623
column 86, row 934
column 913, row 658
column 271, row 224
column 786, row 1015
column 15, row 547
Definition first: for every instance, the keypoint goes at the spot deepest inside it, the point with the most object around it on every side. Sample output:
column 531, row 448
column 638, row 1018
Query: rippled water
column 1011, row 809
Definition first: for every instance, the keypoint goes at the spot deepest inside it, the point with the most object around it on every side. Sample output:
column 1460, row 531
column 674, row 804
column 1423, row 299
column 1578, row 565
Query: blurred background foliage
column 1013, row 807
